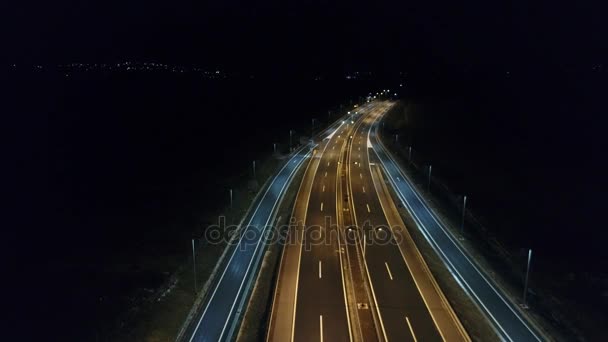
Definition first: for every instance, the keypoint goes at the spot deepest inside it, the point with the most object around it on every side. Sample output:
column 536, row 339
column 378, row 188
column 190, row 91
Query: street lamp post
column 464, row 210
column 194, row 267
column 525, row 304
column 428, row 185
column 274, row 147
column 290, row 135
column 410, row 154
column 254, row 169
column 230, row 198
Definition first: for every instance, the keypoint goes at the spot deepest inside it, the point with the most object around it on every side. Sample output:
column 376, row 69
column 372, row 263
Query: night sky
column 327, row 36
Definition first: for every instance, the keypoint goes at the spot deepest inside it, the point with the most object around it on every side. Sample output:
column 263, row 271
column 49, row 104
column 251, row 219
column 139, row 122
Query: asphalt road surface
column 311, row 301
column 223, row 307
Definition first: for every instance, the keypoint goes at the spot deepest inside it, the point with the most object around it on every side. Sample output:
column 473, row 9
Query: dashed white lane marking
column 361, row 175
column 321, row 327
column 325, row 173
column 411, row 329
column 369, row 211
column 321, row 206
column 388, row 270
column 320, row 272
column 323, row 188
column 363, row 189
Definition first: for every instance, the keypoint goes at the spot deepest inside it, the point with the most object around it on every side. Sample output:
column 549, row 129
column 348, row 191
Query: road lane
column 218, row 319
column 395, row 290
column 325, row 295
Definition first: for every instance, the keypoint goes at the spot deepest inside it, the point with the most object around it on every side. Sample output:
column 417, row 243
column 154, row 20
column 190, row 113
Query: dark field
column 116, row 171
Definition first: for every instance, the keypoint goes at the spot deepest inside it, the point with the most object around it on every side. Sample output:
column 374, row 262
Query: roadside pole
column 428, row 184
column 464, row 210
column 410, row 154
column 194, row 266
column 525, row 304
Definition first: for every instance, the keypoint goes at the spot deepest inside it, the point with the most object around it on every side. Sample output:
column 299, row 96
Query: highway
column 394, row 288
column 508, row 321
column 350, row 271
column 223, row 306
column 310, row 301
column 314, row 300
column 320, row 262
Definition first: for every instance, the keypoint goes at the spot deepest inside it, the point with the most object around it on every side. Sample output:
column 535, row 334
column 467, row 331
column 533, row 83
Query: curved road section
column 223, row 308
column 504, row 314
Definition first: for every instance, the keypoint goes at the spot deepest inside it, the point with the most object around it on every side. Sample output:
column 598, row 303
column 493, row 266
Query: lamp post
column 194, row 267
column 428, row 185
column 254, row 169
column 290, row 135
column 525, row 304
column 410, row 154
column 464, row 210
column 230, row 198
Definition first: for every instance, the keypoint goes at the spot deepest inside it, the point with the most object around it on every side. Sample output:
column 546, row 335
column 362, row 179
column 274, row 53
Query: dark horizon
column 346, row 36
